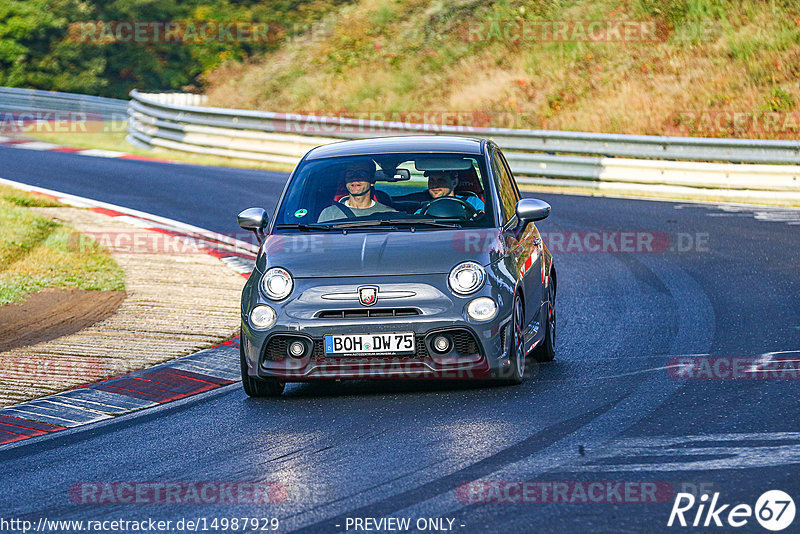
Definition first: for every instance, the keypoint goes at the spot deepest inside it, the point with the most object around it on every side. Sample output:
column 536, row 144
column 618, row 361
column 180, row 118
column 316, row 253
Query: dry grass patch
column 37, row 252
column 385, row 56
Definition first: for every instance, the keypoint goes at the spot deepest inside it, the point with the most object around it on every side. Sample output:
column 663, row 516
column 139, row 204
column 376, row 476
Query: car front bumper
column 306, row 317
column 269, row 359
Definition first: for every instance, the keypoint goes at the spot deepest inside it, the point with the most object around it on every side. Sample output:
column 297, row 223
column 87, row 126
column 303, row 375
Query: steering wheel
column 450, row 208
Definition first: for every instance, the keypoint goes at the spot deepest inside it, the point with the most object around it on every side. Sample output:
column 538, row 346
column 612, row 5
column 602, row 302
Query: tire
column 546, row 351
column 259, row 387
column 517, row 353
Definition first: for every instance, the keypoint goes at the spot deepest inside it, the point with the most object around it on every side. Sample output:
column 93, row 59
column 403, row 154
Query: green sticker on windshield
column 300, row 213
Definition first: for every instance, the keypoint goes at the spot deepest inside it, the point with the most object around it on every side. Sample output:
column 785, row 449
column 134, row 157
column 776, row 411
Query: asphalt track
column 605, row 410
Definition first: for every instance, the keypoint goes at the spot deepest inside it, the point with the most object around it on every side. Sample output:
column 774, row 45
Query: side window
column 508, row 193
column 510, row 175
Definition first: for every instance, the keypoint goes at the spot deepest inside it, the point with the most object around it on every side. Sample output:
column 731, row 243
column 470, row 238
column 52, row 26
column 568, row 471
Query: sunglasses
column 440, row 177
column 356, row 175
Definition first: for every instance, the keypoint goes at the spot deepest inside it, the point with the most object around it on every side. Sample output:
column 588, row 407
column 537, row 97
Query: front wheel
column 259, row 387
column 517, row 349
column 546, row 351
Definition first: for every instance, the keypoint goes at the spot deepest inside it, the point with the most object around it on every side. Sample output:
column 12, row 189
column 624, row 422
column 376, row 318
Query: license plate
column 372, row 344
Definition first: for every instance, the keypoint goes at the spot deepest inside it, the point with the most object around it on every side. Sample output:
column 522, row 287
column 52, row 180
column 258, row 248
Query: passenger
column 444, row 183
column 359, row 180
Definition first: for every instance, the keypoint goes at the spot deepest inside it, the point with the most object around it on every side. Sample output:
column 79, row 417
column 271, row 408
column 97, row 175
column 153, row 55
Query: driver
column 444, row 183
column 359, row 180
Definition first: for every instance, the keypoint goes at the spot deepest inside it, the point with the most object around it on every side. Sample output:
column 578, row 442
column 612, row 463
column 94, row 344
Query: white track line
column 83, row 202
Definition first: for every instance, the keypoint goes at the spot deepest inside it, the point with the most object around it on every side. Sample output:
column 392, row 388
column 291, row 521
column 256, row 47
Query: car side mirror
column 531, row 209
column 255, row 220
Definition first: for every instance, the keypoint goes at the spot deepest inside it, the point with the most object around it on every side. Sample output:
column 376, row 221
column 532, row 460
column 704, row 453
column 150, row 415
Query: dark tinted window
column 508, row 193
column 404, row 186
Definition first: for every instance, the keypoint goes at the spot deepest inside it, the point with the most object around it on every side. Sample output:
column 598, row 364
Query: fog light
column 482, row 309
column 441, row 344
column 262, row 317
column 297, row 349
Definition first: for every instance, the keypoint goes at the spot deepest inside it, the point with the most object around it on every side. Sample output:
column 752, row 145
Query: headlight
column 467, row 277
column 262, row 317
column 277, row 283
column 482, row 309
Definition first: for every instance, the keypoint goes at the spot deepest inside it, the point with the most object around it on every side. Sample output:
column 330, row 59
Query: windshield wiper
column 395, row 222
column 305, row 227
column 427, row 222
column 361, row 224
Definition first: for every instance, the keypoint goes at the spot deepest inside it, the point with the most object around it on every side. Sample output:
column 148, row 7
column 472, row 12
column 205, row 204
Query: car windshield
column 383, row 191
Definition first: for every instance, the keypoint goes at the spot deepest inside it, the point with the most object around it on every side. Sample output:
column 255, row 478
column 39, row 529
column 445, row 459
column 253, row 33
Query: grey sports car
column 398, row 257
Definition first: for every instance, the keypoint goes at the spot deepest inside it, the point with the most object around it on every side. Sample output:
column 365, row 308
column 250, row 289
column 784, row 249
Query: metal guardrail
column 752, row 168
column 168, row 107
column 179, row 122
column 26, row 101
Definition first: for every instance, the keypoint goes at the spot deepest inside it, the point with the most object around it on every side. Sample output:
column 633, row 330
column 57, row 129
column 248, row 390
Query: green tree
column 36, row 51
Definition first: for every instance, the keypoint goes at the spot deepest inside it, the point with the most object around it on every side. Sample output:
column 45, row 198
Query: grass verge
column 37, row 252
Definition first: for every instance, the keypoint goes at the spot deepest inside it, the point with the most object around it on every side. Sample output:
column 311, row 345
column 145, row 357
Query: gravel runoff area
column 178, row 301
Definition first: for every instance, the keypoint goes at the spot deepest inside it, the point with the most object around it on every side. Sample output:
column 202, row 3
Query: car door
column 524, row 248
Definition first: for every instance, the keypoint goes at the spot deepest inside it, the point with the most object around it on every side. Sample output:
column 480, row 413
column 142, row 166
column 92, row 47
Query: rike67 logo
column 774, row 510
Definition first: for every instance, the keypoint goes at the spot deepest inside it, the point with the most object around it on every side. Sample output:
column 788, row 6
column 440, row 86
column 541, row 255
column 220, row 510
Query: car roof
column 408, row 143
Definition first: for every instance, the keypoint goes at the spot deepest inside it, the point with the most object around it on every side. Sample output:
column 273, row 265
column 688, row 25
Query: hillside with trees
column 43, row 44
column 692, row 67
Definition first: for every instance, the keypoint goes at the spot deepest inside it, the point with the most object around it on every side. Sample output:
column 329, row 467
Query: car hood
column 375, row 253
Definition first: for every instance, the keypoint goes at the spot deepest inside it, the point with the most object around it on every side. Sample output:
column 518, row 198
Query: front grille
column 276, row 348
column 422, row 351
column 465, row 343
column 368, row 313
column 319, row 350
